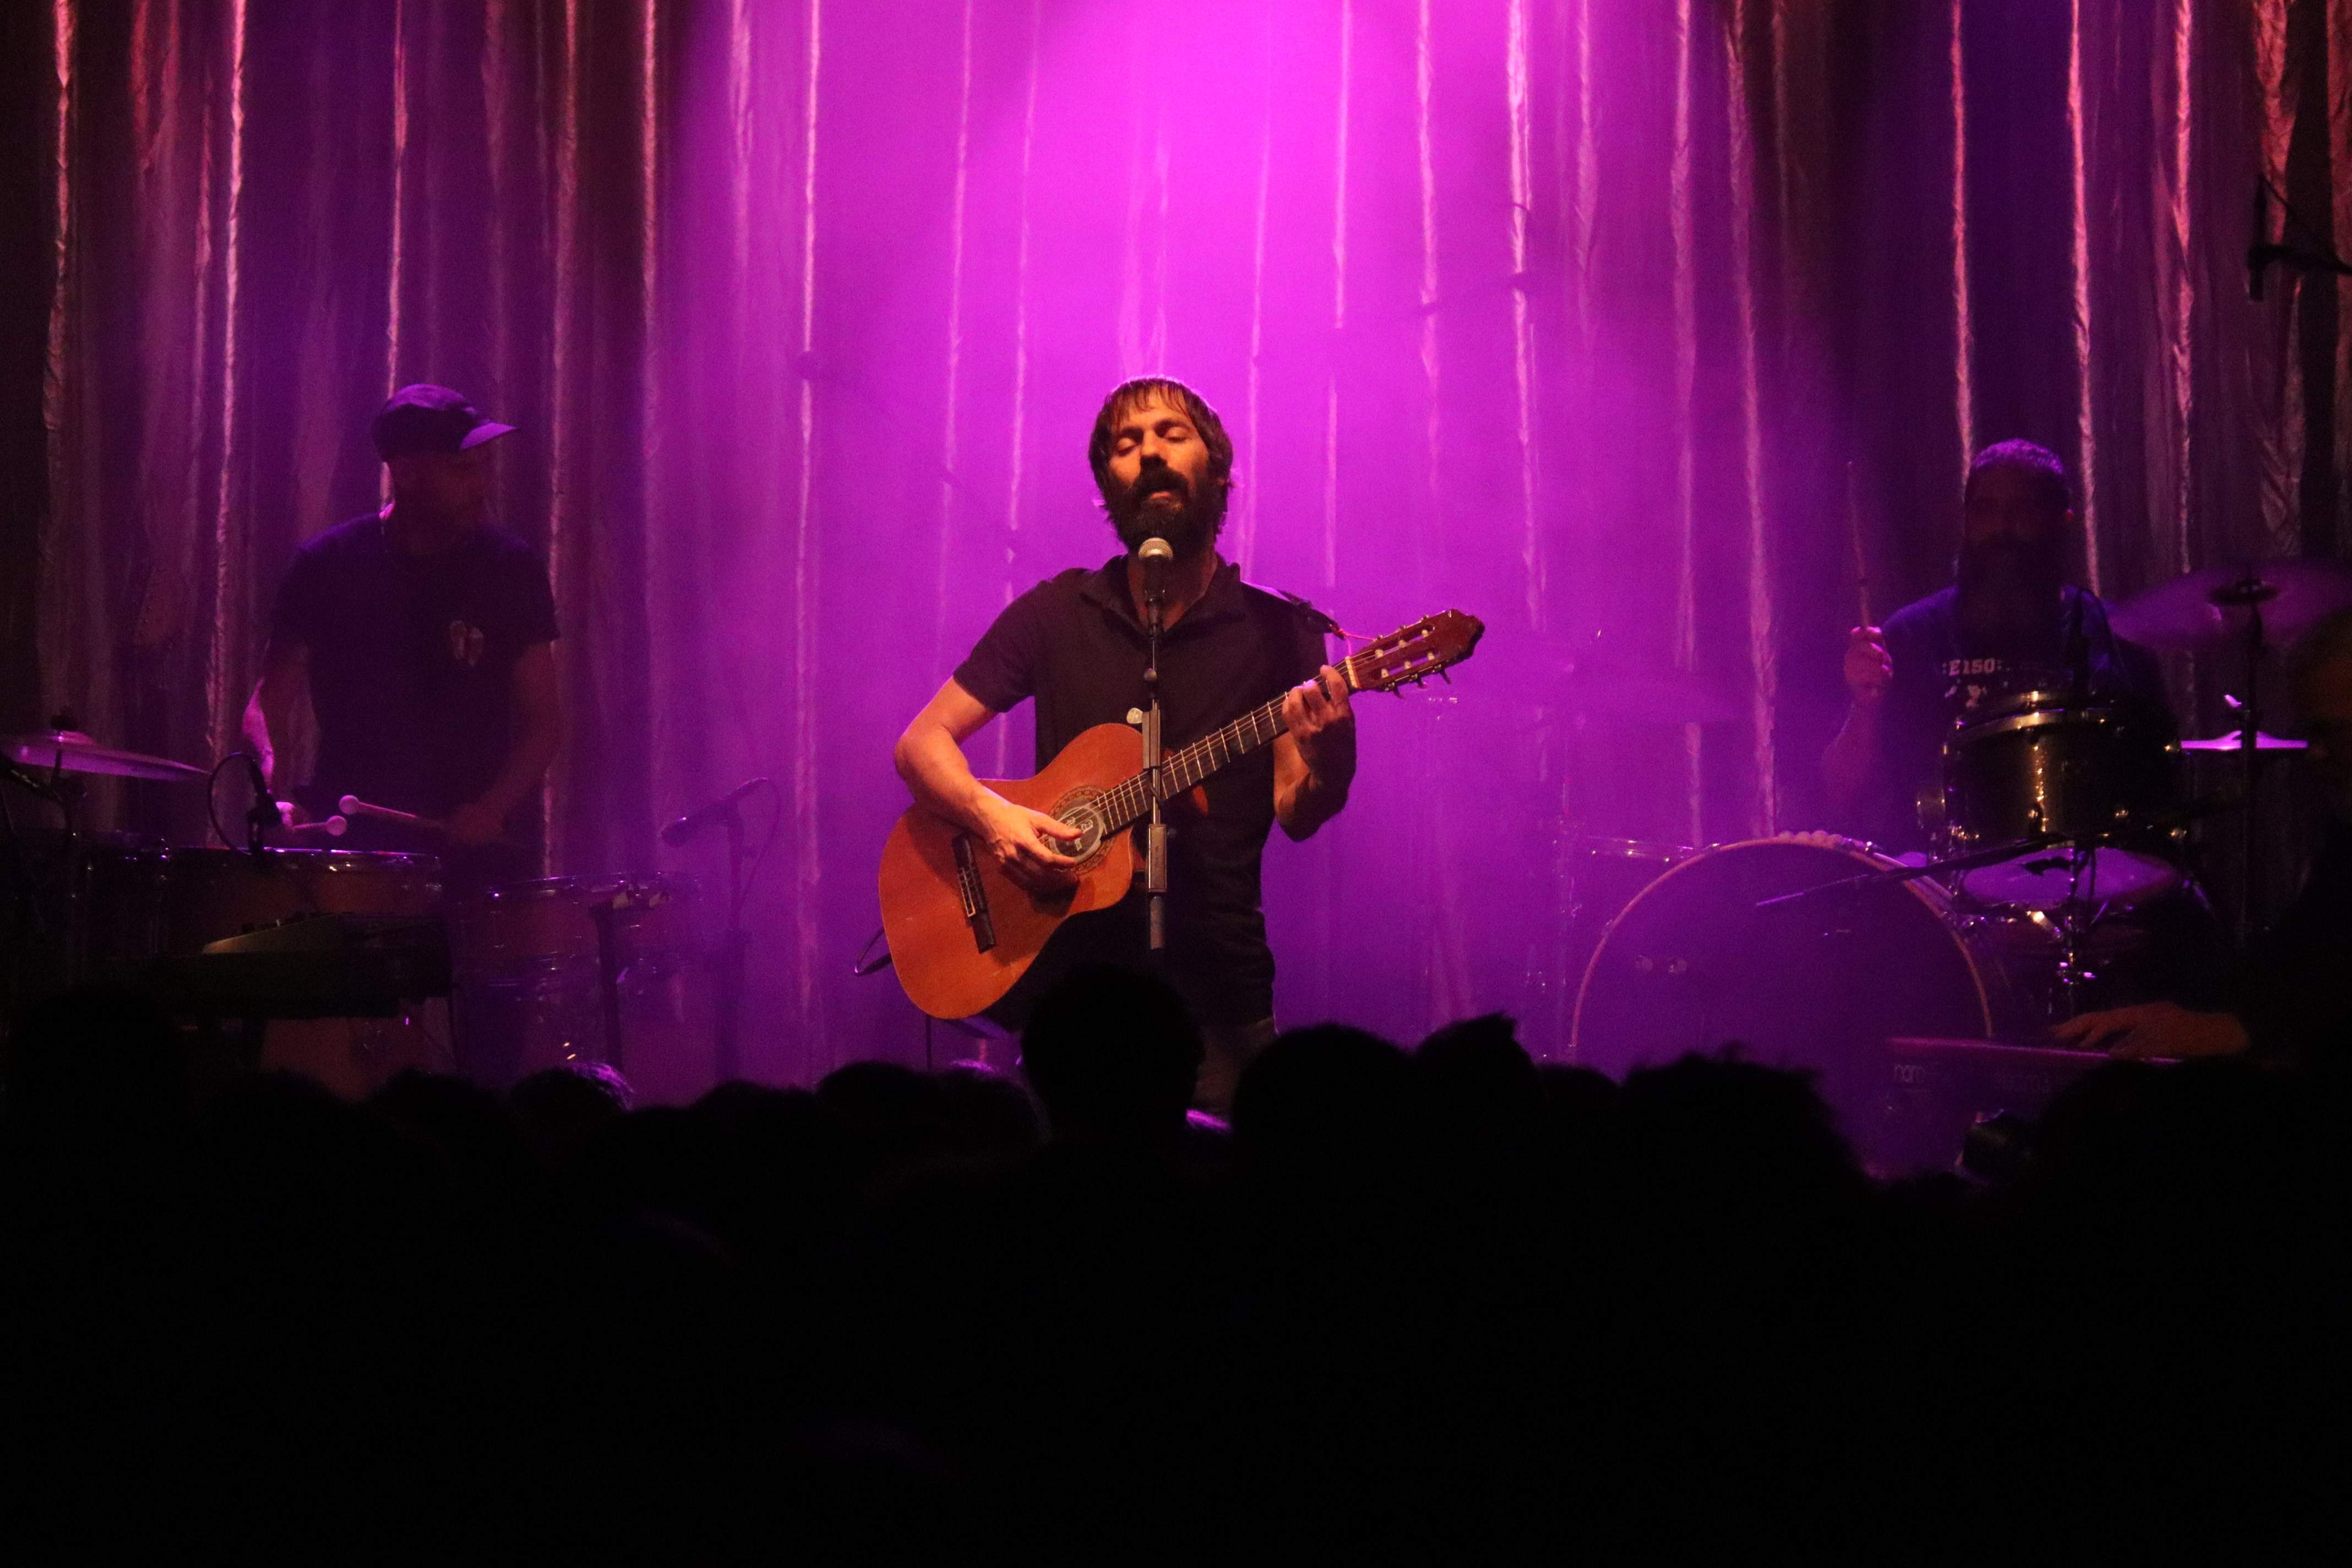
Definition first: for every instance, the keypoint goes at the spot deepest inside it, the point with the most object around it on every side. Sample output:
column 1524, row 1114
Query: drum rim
column 1854, row 848
column 556, row 887
column 1635, row 848
column 386, row 859
column 2089, row 716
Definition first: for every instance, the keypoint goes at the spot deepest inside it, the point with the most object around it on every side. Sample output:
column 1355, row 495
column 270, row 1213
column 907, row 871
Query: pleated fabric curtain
column 1656, row 332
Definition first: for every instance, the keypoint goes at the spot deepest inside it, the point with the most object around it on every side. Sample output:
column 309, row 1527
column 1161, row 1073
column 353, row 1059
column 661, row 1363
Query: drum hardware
column 64, row 750
column 2235, row 741
column 569, row 968
column 1718, row 950
column 732, row 942
column 2224, row 609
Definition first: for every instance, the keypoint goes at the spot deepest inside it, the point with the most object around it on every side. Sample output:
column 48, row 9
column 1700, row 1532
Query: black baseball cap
column 429, row 418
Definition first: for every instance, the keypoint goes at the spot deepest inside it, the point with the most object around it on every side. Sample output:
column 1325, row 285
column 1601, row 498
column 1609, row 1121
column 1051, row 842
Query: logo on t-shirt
column 1966, row 695
column 466, row 644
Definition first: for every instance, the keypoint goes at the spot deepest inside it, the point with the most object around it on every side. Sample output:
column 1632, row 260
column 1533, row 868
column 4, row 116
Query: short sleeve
column 534, row 601
column 295, row 616
column 1001, row 668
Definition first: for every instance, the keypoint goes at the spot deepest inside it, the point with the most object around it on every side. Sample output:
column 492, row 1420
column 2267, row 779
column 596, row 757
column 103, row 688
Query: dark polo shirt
column 1074, row 645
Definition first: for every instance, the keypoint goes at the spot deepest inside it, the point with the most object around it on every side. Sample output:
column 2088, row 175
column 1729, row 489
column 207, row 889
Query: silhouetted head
column 93, row 1056
column 1720, row 1141
column 1112, row 1053
column 989, row 1114
column 1323, row 1104
column 897, row 1117
column 465, row 1126
column 560, row 1108
column 1477, row 1087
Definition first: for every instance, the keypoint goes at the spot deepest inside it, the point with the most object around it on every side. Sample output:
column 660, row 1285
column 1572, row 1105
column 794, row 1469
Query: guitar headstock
column 1411, row 655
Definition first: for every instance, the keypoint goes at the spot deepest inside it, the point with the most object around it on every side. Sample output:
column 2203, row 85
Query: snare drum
column 2041, row 763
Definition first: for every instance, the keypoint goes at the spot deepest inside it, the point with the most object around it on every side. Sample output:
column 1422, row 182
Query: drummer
column 420, row 636
column 2011, row 622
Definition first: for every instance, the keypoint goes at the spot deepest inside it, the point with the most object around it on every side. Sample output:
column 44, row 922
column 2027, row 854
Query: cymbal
column 2204, row 611
column 2232, row 741
column 71, row 751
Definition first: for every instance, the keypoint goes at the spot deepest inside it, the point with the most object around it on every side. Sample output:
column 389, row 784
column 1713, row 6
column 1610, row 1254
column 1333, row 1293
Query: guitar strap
column 1316, row 617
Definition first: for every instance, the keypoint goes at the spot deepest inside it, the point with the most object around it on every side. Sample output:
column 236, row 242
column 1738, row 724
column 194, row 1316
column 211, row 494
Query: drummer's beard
column 2009, row 598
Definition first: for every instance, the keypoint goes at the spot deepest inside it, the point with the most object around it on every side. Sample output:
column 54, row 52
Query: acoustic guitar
column 961, row 931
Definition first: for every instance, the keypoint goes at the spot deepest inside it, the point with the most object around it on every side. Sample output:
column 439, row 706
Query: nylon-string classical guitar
column 962, row 933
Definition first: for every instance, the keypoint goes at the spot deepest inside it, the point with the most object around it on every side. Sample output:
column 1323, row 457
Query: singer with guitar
column 421, row 635
column 1077, row 645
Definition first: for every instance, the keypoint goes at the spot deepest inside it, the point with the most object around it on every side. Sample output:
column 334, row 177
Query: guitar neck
column 1130, row 802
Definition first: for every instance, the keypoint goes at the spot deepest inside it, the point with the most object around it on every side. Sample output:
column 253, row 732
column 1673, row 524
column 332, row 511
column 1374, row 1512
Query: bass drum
column 1818, row 985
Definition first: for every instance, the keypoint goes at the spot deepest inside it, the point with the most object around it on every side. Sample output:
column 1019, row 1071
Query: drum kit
column 2069, row 871
column 351, row 965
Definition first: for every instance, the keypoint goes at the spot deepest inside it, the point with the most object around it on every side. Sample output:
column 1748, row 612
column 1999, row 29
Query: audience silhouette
column 1437, row 1302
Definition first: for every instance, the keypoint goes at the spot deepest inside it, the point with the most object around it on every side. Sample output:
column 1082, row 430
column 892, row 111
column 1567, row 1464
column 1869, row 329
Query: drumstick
column 332, row 826
column 1854, row 537
column 353, row 805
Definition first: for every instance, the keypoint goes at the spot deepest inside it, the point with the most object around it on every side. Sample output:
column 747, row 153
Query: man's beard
column 2009, row 599
column 1189, row 527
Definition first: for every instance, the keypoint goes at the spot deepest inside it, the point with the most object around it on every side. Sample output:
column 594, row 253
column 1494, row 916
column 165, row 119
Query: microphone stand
column 264, row 816
column 728, row 1003
column 1155, row 834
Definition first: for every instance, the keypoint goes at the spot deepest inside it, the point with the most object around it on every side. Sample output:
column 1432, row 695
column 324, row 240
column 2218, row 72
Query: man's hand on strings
column 1022, row 842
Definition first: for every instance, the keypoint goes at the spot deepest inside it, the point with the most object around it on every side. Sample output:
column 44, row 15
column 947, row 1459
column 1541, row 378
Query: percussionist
column 422, row 636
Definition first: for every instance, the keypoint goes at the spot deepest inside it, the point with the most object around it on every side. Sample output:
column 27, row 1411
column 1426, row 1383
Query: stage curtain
column 1656, row 332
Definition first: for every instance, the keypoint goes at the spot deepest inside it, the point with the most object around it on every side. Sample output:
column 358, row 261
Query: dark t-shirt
column 1940, row 680
column 411, row 659
column 1074, row 645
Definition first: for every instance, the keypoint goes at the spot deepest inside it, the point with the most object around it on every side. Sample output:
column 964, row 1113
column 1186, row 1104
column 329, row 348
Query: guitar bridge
column 974, row 894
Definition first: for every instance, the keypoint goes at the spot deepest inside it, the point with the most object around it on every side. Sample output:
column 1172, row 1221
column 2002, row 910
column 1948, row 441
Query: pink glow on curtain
column 1571, row 314
column 2086, row 418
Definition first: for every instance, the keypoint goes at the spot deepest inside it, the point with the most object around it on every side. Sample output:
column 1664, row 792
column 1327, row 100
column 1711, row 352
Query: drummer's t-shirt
column 411, row 659
column 1941, row 680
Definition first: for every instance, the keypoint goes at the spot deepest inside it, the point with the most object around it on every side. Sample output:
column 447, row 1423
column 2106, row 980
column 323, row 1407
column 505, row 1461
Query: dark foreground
column 1418, row 1306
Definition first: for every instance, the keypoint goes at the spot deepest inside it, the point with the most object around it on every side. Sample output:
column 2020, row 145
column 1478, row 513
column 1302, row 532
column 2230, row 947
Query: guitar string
column 1128, row 802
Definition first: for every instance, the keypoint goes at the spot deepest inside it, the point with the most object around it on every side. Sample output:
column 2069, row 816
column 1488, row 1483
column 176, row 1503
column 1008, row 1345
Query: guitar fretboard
column 1129, row 803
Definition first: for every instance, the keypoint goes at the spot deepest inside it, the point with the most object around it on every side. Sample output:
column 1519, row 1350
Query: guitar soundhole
column 1079, row 810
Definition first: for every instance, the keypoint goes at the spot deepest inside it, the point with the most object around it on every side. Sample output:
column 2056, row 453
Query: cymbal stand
column 2250, row 593
column 2076, row 915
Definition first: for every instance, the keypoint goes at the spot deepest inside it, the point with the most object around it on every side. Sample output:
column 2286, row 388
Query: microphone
column 2258, row 249
column 702, row 816
column 1155, row 554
